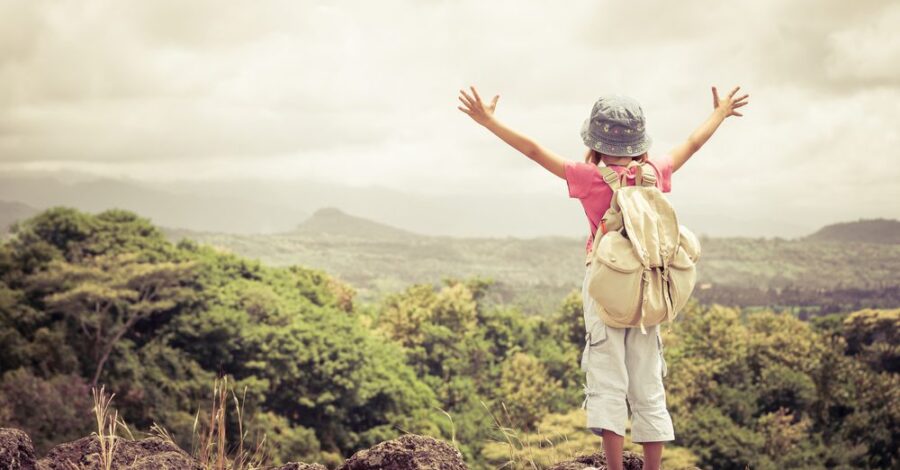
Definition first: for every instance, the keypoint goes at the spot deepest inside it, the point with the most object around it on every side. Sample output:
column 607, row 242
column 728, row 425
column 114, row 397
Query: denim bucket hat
column 616, row 127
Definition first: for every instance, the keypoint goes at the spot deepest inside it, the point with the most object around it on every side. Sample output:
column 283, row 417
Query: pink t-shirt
column 586, row 183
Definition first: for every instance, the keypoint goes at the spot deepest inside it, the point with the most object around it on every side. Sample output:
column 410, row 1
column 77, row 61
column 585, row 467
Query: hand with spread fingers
column 722, row 108
column 484, row 114
column 728, row 105
column 475, row 108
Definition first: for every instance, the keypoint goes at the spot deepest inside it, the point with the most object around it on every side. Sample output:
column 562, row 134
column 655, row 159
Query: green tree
column 106, row 295
column 874, row 336
column 526, row 390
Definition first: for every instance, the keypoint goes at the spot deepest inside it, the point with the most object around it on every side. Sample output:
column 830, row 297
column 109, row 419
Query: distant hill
column 252, row 205
column 248, row 205
column 333, row 221
column 863, row 230
column 173, row 207
column 12, row 211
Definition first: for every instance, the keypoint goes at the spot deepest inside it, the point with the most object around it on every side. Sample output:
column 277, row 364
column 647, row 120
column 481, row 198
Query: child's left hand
column 728, row 105
column 476, row 109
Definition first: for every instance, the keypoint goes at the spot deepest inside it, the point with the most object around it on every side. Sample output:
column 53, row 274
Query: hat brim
column 617, row 149
column 632, row 150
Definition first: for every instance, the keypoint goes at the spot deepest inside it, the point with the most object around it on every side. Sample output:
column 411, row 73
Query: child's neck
column 616, row 161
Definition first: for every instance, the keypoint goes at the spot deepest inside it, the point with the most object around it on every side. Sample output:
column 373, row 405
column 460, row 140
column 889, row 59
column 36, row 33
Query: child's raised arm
column 484, row 115
column 721, row 110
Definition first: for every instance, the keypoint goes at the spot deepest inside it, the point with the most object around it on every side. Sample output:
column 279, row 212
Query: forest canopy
column 90, row 299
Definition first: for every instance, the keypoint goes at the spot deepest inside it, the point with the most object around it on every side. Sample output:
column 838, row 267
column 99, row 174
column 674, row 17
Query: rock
column 301, row 466
column 145, row 454
column 631, row 461
column 16, row 450
column 165, row 460
column 407, row 452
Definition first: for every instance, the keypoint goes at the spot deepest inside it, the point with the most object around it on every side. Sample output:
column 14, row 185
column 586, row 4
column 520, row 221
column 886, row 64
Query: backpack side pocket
column 683, row 269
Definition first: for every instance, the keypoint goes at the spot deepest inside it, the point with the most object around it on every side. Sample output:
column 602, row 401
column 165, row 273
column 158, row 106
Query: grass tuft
column 106, row 426
column 209, row 440
column 529, row 450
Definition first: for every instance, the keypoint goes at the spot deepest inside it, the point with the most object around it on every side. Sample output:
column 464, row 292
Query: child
column 624, row 369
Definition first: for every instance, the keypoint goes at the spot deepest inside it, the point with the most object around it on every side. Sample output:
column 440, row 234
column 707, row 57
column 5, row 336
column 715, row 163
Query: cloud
column 365, row 92
column 867, row 54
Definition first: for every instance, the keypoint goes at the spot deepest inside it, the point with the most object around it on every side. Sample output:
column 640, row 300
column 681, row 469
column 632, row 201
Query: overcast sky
column 365, row 93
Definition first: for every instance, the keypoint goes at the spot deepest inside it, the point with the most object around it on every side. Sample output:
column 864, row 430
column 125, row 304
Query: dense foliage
column 107, row 299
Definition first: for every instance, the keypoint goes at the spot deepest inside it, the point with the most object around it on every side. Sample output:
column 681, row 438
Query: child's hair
column 592, row 156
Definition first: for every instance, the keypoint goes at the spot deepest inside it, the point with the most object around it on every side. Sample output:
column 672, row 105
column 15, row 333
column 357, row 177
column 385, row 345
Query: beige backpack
column 642, row 263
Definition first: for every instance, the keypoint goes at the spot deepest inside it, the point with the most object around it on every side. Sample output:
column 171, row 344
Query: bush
column 50, row 411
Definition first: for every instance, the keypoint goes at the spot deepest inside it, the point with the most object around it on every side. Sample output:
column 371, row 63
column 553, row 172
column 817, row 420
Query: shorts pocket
column 593, row 338
column 662, row 356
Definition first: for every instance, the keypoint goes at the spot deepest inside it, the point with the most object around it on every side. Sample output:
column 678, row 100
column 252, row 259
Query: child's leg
column 653, row 455
column 651, row 423
column 606, row 380
column 612, row 447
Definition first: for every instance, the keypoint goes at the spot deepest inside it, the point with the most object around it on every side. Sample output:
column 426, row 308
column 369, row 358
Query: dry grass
column 106, row 426
column 209, row 440
column 531, row 450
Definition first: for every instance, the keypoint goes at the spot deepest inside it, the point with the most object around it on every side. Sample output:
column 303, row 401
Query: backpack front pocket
column 616, row 282
column 655, row 305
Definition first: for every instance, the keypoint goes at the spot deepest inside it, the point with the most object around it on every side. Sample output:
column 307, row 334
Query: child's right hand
column 477, row 110
column 728, row 105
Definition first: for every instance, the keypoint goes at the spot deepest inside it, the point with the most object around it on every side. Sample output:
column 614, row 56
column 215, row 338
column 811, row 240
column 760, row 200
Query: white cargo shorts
column 624, row 369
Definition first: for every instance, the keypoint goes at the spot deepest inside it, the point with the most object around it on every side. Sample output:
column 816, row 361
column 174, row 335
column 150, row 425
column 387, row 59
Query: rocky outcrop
column 145, row 454
column 16, row 450
column 301, row 466
column 17, row 453
column 407, row 452
column 631, row 461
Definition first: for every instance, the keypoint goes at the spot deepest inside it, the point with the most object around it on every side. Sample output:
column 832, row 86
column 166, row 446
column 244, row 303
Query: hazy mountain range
column 248, row 206
column 276, row 224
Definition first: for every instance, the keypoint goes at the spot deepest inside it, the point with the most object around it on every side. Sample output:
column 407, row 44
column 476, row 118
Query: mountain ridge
column 12, row 212
column 879, row 230
column 250, row 205
column 334, row 221
column 337, row 221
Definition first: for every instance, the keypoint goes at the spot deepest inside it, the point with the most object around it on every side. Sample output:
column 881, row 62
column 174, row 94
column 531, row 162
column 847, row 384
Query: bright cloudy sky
column 365, row 93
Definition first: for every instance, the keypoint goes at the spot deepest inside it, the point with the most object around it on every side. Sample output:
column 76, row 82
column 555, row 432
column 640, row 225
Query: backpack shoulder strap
column 645, row 175
column 610, row 177
column 648, row 174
